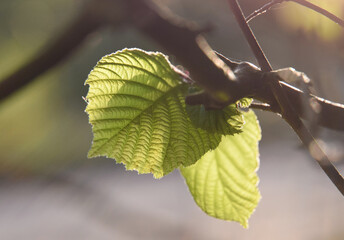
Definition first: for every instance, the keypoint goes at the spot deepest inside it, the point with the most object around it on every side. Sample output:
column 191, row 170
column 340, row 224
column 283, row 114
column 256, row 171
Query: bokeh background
column 50, row 190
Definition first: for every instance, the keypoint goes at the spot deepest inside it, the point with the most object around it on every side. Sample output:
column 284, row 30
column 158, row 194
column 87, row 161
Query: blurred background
column 50, row 190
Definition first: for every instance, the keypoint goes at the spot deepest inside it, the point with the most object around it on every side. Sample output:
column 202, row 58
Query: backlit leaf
column 224, row 181
column 137, row 110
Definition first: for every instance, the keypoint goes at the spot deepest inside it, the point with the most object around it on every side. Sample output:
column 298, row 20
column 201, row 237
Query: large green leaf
column 137, row 109
column 224, row 181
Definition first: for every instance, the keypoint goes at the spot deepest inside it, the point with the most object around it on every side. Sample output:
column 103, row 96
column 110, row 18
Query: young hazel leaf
column 224, row 181
column 137, row 109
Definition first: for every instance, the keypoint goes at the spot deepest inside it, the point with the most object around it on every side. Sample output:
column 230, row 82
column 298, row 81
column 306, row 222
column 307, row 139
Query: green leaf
column 137, row 110
column 224, row 181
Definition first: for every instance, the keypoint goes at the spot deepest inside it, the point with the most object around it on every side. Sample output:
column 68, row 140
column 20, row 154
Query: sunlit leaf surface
column 224, row 181
column 137, row 109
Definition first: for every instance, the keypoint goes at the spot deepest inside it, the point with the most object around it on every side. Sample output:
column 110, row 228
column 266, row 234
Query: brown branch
column 292, row 118
column 331, row 114
column 287, row 110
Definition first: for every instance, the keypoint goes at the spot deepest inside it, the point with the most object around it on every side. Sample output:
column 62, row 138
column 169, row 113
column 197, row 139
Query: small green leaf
column 137, row 109
column 224, row 181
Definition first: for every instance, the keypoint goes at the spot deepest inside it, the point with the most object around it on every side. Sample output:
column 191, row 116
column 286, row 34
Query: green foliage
column 137, row 109
column 223, row 182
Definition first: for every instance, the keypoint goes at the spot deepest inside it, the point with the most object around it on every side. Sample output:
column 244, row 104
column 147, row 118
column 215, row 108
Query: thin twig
column 289, row 114
column 262, row 10
column 256, row 49
column 331, row 115
column 287, row 110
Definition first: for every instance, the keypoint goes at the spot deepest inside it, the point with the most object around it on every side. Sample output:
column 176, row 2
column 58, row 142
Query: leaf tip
column 92, row 153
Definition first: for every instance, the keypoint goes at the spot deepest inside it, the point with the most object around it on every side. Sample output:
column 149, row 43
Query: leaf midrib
column 178, row 87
